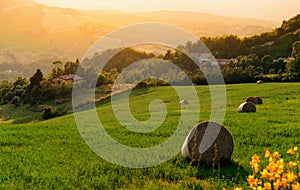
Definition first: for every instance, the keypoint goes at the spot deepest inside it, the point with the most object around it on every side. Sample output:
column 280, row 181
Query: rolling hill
column 52, row 154
column 278, row 43
column 33, row 32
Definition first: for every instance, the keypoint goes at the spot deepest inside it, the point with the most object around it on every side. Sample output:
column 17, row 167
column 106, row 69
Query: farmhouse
column 65, row 78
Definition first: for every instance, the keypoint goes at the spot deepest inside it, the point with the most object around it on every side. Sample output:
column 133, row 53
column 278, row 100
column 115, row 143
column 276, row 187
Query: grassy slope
column 52, row 154
column 9, row 114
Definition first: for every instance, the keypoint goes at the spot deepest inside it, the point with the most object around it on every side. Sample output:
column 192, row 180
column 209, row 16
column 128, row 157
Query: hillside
column 52, row 154
column 33, row 32
column 277, row 43
column 211, row 25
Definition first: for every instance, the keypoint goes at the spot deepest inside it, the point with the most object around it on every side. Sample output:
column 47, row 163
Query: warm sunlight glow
column 268, row 9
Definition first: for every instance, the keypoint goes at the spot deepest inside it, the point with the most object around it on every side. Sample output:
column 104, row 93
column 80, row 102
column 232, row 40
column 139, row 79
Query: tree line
column 277, row 43
column 244, row 68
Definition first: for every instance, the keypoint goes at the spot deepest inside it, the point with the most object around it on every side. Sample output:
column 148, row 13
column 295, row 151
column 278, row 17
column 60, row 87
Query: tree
column 16, row 101
column 296, row 63
column 279, row 65
column 33, row 92
column 267, row 61
column 57, row 63
column 296, row 48
column 5, row 93
column 19, row 91
column 101, row 79
column 56, row 72
column 34, row 96
column 249, row 60
column 293, row 69
column 20, row 81
column 36, row 79
column 168, row 55
column 50, row 112
column 70, row 67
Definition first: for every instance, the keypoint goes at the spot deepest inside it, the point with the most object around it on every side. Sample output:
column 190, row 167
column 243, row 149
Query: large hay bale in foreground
column 258, row 99
column 252, row 99
column 247, row 107
column 221, row 147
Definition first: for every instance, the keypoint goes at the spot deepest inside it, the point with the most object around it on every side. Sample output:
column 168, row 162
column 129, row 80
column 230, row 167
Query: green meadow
column 52, row 154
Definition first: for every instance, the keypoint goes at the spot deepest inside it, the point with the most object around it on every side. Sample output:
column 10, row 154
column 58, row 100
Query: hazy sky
column 264, row 9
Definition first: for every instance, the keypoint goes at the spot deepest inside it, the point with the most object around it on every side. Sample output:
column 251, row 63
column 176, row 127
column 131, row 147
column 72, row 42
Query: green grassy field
column 9, row 114
column 52, row 154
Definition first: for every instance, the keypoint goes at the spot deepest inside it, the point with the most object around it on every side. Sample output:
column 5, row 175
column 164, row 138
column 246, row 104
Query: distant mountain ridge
column 211, row 25
column 34, row 32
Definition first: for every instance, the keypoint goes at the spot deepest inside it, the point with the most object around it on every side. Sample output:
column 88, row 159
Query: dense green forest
column 272, row 56
column 277, row 43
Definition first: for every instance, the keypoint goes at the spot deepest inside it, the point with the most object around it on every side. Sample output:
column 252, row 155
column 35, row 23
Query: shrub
column 50, row 112
column 16, row 100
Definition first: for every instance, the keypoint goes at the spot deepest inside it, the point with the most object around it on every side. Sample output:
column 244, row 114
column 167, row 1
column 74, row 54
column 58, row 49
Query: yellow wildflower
column 284, row 182
column 277, row 184
column 292, row 150
column 267, row 153
column 255, row 158
column 267, row 186
column 275, row 174
column 271, row 159
column 296, row 186
column 265, row 174
column 238, row 188
column 291, row 176
column 292, row 164
column 253, row 182
column 276, row 155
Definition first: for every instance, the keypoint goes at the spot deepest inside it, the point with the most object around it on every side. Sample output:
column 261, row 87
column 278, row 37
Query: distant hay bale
column 252, row 99
column 258, row 99
column 184, row 102
column 220, row 150
column 247, row 107
column 255, row 100
column 260, row 82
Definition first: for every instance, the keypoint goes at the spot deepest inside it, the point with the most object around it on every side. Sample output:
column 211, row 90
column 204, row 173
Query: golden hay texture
column 252, row 99
column 218, row 153
column 247, row 107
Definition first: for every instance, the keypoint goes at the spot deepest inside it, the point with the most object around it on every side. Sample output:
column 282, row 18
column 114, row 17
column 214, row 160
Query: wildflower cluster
column 277, row 174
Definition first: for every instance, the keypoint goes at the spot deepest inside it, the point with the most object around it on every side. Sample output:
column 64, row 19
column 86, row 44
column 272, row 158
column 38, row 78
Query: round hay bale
column 184, row 102
column 252, row 99
column 260, row 82
column 247, row 107
column 258, row 99
column 220, row 150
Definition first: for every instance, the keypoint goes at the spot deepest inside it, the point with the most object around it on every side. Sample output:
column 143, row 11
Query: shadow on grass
column 228, row 171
